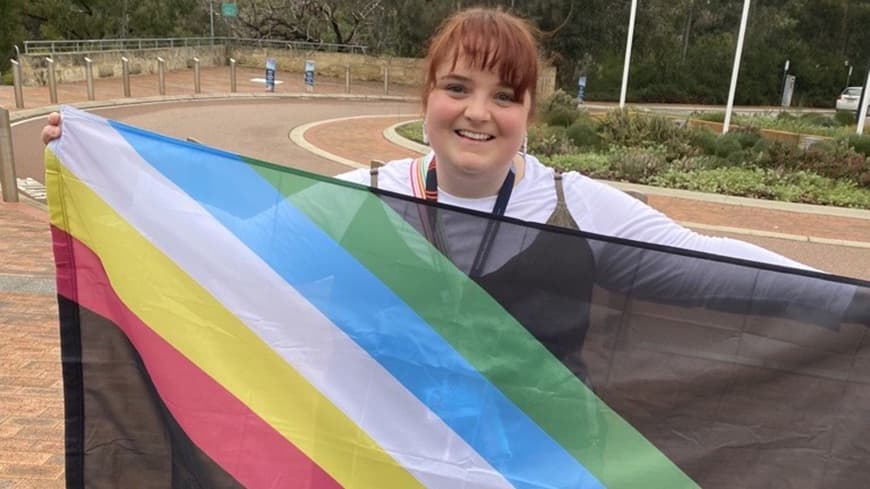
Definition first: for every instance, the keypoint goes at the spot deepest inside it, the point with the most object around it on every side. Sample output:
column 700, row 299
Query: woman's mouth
column 474, row 136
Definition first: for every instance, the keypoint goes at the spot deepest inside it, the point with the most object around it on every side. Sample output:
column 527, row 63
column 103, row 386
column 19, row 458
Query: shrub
column 766, row 183
column 637, row 164
column 560, row 116
column 595, row 165
column 703, row 139
column 549, row 140
column 844, row 118
column 559, row 109
column 583, row 134
column 625, row 128
column 709, row 116
column 860, row 143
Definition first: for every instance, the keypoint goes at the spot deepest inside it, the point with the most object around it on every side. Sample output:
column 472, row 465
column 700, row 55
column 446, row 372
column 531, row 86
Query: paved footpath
column 31, row 410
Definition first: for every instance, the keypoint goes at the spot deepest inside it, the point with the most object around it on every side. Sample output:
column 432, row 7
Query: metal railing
column 93, row 45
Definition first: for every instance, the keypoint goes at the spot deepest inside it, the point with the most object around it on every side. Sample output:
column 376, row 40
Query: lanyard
column 431, row 224
column 501, row 201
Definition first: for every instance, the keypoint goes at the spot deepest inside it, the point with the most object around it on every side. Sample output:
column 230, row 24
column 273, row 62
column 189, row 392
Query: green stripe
column 479, row 329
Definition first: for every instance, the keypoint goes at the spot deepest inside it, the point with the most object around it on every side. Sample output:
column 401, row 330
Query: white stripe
column 403, row 426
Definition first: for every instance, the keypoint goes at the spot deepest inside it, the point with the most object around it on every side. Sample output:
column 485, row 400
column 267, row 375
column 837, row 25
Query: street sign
column 309, row 75
column 788, row 90
column 229, row 9
column 271, row 66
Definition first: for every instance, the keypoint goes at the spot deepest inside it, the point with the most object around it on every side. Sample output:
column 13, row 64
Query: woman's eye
column 455, row 88
column 504, row 97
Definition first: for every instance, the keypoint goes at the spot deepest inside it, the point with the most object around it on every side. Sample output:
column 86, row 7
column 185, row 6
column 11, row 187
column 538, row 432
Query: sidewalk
column 31, row 406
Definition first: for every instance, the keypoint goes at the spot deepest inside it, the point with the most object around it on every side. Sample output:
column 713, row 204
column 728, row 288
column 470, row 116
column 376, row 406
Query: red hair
column 487, row 39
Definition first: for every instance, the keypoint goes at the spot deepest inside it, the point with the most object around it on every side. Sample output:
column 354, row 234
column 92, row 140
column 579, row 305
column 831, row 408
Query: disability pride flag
column 226, row 322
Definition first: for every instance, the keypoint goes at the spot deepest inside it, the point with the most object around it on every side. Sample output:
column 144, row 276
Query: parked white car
column 848, row 100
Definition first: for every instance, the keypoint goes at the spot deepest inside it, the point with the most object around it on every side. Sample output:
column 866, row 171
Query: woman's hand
column 51, row 131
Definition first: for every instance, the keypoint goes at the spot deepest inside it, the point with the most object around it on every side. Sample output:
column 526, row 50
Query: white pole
column 628, row 43
column 862, row 111
column 736, row 69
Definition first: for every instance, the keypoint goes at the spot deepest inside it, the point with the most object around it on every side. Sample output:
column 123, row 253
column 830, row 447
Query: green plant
column 559, row 109
column 595, row 165
column 583, row 134
column 798, row 186
column 412, row 130
column 622, row 127
column 844, row 118
column 637, row 164
column 858, row 142
column 7, row 78
column 544, row 140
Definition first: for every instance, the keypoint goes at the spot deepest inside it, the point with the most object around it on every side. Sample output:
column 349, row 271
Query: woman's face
column 475, row 122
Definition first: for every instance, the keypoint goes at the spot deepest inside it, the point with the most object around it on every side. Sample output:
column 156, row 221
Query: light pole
column 630, row 39
column 211, row 19
column 849, row 74
column 736, row 68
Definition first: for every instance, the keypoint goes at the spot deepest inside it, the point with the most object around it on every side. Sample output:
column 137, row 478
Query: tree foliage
column 682, row 51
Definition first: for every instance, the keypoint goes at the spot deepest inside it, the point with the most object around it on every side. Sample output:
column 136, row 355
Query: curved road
column 255, row 128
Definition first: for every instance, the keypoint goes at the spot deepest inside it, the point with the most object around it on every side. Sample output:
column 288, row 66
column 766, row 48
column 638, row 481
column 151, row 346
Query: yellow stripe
column 196, row 324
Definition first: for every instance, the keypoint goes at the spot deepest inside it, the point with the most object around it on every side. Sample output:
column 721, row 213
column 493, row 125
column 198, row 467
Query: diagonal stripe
column 412, row 434
column 331, row 279
column 190, row 320
column 234, row 437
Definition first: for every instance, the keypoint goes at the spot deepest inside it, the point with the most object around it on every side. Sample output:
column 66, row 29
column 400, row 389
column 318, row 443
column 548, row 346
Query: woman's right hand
column 51, row 131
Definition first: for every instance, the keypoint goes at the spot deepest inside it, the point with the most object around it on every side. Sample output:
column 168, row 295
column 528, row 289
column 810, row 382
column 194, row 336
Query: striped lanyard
column 501, row 201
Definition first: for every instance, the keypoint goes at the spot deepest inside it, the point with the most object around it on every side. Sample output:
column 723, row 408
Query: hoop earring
column 425, row 136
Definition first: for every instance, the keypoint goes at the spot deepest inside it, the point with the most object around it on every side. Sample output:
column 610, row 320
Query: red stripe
column 234, row 437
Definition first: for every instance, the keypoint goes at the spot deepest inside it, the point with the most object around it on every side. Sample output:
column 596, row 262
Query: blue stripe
column 365, row 309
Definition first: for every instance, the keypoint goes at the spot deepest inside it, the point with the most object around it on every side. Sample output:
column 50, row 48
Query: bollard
column 17, row 81
column 89, row 76
column 7, row 162
column 387, row 79
column 52, row 82
column 346, row 78
column 232, row 75
column 161, row 75
column 125, row 75
column 196, row 88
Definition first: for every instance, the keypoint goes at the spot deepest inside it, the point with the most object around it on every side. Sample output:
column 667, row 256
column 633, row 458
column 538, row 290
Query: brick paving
column 31, row 408
column 31, row 404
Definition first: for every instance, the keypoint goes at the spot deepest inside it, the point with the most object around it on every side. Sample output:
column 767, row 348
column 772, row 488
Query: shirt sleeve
column 601, row 209
column 360, row 176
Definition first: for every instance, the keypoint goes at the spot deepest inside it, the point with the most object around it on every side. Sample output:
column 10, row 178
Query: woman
column 478, row 99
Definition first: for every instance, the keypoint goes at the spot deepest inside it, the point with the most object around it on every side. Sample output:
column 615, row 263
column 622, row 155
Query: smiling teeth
column 474, row 135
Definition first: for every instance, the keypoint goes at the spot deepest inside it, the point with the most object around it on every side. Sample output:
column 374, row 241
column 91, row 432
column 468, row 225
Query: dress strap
column 373, row 172
column 561, row 216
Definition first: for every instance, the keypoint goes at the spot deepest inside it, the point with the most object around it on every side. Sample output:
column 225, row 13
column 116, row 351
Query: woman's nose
column 477, row 109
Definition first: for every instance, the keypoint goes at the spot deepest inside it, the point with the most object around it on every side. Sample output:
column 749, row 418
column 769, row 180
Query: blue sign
column 309, row 74
column 581, row 89
column 271, row 65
